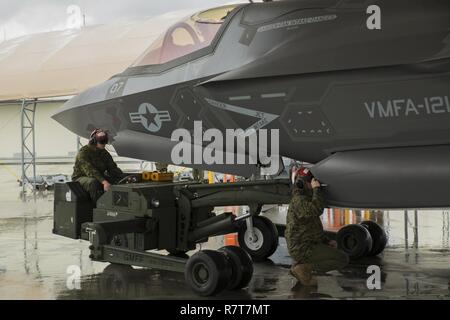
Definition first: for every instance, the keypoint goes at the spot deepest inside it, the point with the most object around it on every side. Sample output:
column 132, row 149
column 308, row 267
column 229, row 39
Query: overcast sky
column 21, row 17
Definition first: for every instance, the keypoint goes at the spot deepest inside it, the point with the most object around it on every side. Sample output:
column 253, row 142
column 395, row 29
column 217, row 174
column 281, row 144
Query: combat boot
column 303, row 273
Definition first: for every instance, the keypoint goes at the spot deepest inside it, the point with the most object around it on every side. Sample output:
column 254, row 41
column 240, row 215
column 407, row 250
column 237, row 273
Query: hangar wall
column 52, row 139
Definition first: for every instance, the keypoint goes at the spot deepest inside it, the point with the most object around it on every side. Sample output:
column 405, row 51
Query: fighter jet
column 366, row 102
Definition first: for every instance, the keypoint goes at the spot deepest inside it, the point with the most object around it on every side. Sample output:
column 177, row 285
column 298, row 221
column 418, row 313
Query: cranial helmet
column 300, row 176
column 98, row 136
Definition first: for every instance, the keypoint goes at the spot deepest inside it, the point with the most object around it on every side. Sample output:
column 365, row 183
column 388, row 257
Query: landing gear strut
column 259, row 237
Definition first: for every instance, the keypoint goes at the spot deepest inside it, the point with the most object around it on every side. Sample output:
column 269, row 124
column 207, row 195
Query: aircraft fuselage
column 312, row 70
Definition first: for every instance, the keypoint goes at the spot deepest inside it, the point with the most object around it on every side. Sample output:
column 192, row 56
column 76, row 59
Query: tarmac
column 34, row 262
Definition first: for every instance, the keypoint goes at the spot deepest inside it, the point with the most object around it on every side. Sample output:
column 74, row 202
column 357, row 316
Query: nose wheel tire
column 241, row 266
column 262, row 242
column 208, row 272
column 379, row 237
column 354, row 240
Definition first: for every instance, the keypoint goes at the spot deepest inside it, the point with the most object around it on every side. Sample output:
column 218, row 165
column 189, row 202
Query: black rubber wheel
column 208, row 272
column 379, row 237
column 354, row 240
column 266, row 241
column 241, row 266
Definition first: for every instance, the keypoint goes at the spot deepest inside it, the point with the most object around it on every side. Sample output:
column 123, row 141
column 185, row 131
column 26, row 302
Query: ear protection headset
column 92, row 138
column 299, row 183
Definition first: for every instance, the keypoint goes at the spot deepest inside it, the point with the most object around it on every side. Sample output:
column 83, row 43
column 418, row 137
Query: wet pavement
column 34, row 262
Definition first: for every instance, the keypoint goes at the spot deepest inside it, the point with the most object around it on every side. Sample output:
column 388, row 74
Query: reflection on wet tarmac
column 125, row 282
column 33, row 261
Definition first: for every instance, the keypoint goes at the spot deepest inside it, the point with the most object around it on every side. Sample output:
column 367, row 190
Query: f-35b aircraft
column 368, row 108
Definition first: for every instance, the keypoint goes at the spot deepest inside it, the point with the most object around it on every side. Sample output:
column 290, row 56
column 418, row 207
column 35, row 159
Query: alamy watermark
column 374, row 20
column 73, row 281
column 75, row 19
column 237, row 147
column 374, row 280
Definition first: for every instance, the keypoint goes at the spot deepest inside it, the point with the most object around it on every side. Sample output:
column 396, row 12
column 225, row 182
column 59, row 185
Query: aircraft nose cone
column 78, row 114
column 60, row 114
column 72, row 115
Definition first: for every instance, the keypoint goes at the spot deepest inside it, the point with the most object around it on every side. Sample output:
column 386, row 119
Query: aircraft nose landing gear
column 259, row 237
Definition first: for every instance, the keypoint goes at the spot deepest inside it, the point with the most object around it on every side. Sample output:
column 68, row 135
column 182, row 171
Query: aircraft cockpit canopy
column 185, row 37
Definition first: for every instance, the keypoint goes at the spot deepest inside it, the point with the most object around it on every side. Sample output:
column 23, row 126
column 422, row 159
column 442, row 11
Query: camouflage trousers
column 324, row 258
column 91, row 186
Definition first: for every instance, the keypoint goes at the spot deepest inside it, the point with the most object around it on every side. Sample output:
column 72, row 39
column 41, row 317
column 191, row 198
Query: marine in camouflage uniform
column 92, row 167
column 305, row 238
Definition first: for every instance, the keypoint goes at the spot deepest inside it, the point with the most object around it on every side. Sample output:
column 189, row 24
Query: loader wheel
column 208, row 272
column 379, row 237
column 241, row 266
column 354, row 240
column 263, row 243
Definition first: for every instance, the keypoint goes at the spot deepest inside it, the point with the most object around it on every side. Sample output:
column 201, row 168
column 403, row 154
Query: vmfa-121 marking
column 408, row 107
column 369, row 108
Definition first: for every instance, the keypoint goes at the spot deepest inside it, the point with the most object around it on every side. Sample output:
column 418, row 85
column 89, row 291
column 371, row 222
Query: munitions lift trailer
column 132, row 219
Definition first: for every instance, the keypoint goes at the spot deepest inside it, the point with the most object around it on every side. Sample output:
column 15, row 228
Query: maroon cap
column 303, row 173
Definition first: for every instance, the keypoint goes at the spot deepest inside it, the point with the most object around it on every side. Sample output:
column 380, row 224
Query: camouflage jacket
column 303, row 225
column 96, row 163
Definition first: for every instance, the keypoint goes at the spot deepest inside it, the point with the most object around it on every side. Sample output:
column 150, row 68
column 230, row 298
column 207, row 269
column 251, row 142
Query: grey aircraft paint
column 368, row 107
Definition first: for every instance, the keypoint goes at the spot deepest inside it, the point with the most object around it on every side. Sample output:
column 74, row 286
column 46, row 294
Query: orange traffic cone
column 231, row 240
